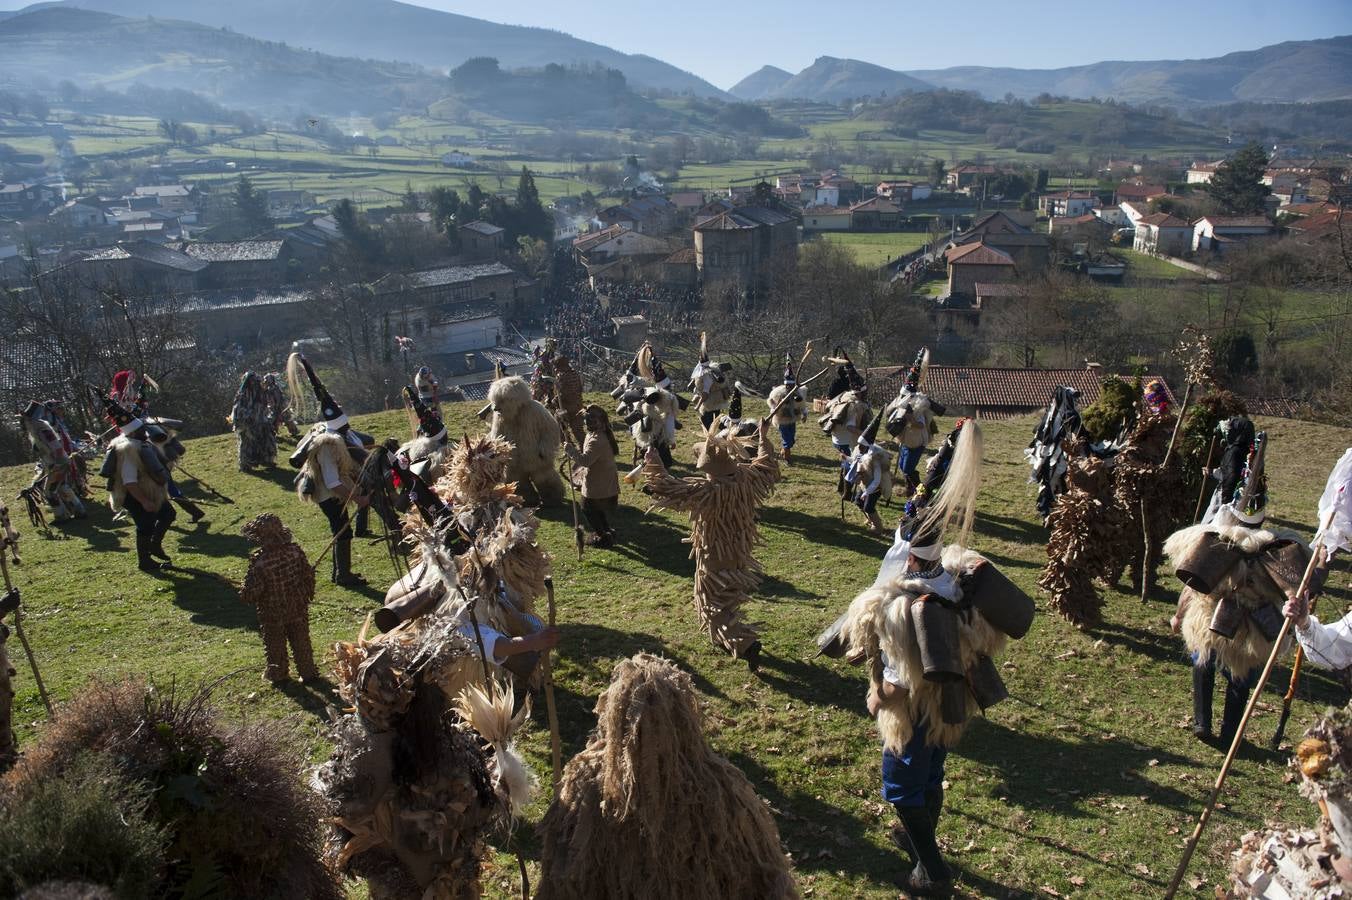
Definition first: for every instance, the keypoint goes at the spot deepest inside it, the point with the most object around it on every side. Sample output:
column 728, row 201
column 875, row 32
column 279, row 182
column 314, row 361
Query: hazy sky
column 725, row 40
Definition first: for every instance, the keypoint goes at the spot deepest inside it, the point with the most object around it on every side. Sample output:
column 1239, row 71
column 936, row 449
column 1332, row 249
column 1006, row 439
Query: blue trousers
column 788, row 435
column 919, row 768
column 908, row 460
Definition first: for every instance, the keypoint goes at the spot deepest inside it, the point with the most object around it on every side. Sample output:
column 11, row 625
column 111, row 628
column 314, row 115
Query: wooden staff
column 551, row 709
column 1206, row 480
column 11, row 542
column 1239, row 733
column 1178, row 423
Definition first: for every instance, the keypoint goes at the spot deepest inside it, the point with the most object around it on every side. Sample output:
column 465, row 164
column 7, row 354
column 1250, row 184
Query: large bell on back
column 1206, row 562
column 1227, row 617
column 985, row 682
column 935, row 625
column 1000, row 601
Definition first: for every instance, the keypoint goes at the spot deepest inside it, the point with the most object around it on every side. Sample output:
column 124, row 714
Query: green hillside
column 1084, row 783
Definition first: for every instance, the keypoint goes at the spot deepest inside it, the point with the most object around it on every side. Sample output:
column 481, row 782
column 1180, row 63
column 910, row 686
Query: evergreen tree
column 359, row 236
column 252, row 207
column 1237, row 186
column 444, row 205
column 532, row 219
column 936, row 172
column 410, row 200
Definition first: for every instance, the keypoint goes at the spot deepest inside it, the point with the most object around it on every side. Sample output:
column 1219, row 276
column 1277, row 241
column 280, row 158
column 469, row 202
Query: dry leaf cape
column 648, row 809
column 722, row 504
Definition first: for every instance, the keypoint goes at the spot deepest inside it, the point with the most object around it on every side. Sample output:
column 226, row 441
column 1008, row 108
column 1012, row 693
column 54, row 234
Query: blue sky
column 724, row 40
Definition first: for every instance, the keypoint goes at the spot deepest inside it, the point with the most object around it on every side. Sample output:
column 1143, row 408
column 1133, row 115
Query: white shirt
column 127, row 469
column 490, row 636
column 1327, row 646
column 943, row 584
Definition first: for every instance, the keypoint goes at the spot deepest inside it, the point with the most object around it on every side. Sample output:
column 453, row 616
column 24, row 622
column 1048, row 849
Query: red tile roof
column 876, row 204
column 1236, row 221
column 1131, row 191
column 995, row 393
column 1073, row 220
column 1164, row 220
column 978, row 254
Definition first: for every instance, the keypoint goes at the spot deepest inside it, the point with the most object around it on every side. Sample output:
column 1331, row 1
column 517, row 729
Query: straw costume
column 722, row 504
column 251, row 419
column 280, row 585
column 648, row 809
column 534, row 435
column 568, row 396
column 9, row 751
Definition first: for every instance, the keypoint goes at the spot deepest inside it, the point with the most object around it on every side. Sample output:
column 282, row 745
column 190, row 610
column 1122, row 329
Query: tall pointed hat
column 330, row 413
column 429, row 423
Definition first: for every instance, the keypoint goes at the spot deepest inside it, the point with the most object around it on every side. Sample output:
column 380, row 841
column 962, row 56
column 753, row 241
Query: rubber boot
column 751, row 656
column 934, row 802
column 931, row 876
column 363, row 522
column 144, row 561
column 192, row 509
column 1236, row 700
column 342, row 564
column 157, row 546
column 1203, row 685
column 788, row 457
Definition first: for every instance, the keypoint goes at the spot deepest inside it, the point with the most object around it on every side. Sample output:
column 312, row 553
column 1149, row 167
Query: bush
column 1113, row 411
column 87, row 823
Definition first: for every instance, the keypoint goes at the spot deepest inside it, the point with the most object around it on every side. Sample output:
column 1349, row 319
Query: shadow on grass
column 817, row 530
column 821, row 685
column 315, row 696
column 1010, row 528
column 210, row 598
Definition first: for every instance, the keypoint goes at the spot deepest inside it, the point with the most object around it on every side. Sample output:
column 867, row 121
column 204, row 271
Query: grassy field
column 1143, row 265
column 1084, row 783
column 877, row 249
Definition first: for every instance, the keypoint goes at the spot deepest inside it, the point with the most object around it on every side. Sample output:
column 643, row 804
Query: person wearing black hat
column 847, row 409
column 710, row 385
column 430, row 446
column 330, row 458
column 792, row 411
column 138, row 482
column 868, row 474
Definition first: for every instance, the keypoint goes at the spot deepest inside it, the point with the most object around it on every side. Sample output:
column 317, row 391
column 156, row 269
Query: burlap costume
column 280, row 585
column 722, row 505
column 568, row 396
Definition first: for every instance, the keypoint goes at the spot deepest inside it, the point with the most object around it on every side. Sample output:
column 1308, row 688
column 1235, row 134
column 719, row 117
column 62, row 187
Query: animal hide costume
column 649, row 810
column 884, row 618
column 722, row 505
column 535, row 438
column 910, row 419
column 251, row 420
column 710, row 385
column 792, row 411
column 845, row 418
column 280, row 585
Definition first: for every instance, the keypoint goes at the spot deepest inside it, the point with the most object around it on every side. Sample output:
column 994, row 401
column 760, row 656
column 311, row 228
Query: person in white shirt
column 1326, row 646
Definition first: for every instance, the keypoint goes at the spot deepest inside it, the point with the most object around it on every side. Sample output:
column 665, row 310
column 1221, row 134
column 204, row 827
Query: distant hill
column 386, row 29
column 831, row 80
column 1291, row 72
column 94, row 48
column 760, row 83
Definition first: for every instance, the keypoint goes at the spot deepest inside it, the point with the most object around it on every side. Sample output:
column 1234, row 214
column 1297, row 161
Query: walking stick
column 1206, row 479
column 551, row 709
column 209, row 488
column 578, row 538
column 11, row 542
column 1239, row 733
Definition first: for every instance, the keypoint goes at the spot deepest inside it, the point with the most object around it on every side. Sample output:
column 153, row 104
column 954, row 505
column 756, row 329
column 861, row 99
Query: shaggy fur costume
column 253, row 424
column 1246, row 582
column 59, row 472
column 280, row 585
column 136, row 450
column 327, row 446
column 875, row 461
column 879, row 618
column 658, row 425
column 435, row 450
column 793, row 410
column 722, row 505
column 648, row 809
column 1086, row 542
column 846, row 417
column 534, row 434
column 915, row 413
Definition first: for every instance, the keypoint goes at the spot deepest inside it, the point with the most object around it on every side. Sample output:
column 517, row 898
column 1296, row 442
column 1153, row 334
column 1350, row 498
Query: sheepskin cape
column 128, row 448
column 1246, row 582
column 879, row 619
column 330, row 447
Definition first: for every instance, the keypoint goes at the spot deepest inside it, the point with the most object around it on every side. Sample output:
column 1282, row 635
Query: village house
column 133, row 268
column 1161, row 234
column 23, row 200
column 76, row 215
column 1067, row 204
column 1202, row 172
column 240, row 264
column 1001, row 231
column 1076, row 229
column 646, row 215
column 1329, row 225
column 827, row 218
column 847, row 189
column 740, row 248
column 687, row 203
column 972, row 264
column 827, row 195
column 480, row 240
column 874, row 214
column 1216, row 234
column 440, row 292
column 457, row 159
column 178, row 197
column 1113, row 217
column 1138, row 193
column 620, row 254
column 963, row 178
column 903, row 191
column 284, row 204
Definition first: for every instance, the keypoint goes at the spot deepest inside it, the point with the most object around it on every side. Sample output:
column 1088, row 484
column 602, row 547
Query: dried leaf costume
column 424, row 766
column 280, row 585
column 722, row 505
column 1086, row 541
column 1149, row 494
column 251, row 420
column 648, row 809
column 568, row 395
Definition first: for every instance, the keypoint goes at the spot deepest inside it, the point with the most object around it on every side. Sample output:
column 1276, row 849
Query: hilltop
column 1085, row 782
column 386, row 29
column 760, row 83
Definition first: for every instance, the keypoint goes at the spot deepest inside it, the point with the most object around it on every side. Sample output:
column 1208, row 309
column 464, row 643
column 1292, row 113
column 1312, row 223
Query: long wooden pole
column 551, row 708
column 18, row 615
column 1239, row 733
column 1206, row 480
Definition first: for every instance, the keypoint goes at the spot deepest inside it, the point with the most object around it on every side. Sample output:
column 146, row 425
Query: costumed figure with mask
column 790, row 404
column 1235, row 437
column 910, row 419
column 280, row 585
column 56, row 473
column 331, row 458
column 929, row 634
column 597, row 475
column 278, row 409
column 133, row 392
column 1237, row 574
column 428, row 387
column 868, row 474
column 430, row 448
column 425, row 767
column 568, row 395
column 138, row 480
column 542, row 375
column 847, row 410
column 1046, row 453
column 722, row 502
column 80, row 450
column 710, row 385
column 648, row 407
column 535, row 436
column 253, row 424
